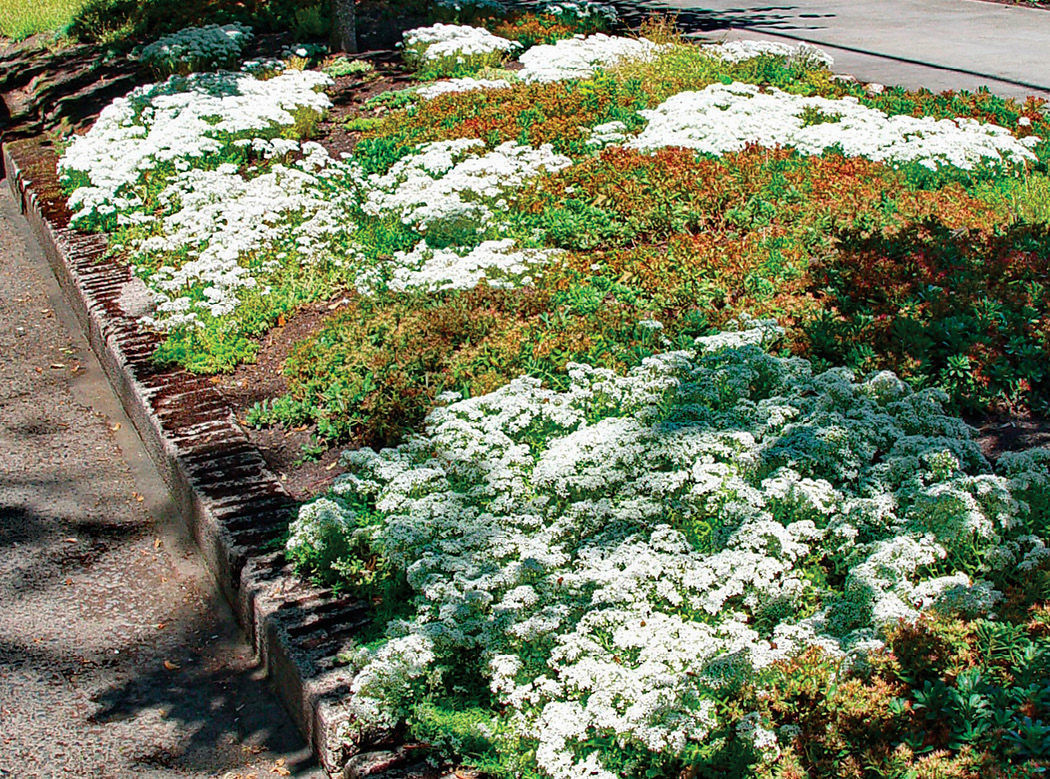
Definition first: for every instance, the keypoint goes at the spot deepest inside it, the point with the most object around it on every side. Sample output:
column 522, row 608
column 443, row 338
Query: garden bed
column 624, row 386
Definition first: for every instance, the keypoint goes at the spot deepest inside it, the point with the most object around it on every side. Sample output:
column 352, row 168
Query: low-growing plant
column 952, row 309
column 1027, row 196
column 449, row 51
column 611, row 556
column 551, row 22
column 196, row 49
column 679, row 244
column 341, row 66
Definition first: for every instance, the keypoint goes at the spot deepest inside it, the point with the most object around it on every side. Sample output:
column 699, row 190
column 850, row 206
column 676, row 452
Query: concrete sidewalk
column 939, row 44
column 118, row 658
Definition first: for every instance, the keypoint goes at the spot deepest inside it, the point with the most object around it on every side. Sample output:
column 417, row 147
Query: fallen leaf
column 171, row 666
column 156, row 543
column 115, row 426
column 161, row 625
column 71, row 540
column 58, row 365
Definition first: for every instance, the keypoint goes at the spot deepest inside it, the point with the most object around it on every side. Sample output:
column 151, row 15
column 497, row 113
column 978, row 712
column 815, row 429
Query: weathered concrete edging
column 235, row 506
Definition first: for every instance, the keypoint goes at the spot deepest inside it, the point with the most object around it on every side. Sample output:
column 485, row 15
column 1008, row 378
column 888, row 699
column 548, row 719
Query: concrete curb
column 234, row 505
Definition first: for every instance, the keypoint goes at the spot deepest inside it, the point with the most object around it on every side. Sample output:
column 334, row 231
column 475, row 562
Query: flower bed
column 620, row 527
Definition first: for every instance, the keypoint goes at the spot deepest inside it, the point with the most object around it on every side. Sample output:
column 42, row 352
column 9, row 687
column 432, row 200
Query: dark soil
column 284, row 449
column 351, row 93
column 1000, row 434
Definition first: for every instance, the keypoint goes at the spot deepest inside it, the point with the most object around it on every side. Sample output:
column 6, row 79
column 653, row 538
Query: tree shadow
column 163, row 657
column 87, row 541
column 219, row 706
column 701, row 20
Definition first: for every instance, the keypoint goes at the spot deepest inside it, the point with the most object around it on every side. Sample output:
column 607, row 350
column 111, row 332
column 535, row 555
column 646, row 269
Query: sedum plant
column 196, row 49
column 454, row 50
column 603, row 580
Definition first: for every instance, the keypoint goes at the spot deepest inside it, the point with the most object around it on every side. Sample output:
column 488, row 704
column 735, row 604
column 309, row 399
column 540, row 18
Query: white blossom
column 581, row 56
column 727, row 117
column 617, row 551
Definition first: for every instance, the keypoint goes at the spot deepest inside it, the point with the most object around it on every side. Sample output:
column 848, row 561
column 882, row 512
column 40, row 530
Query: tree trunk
column 344, row 32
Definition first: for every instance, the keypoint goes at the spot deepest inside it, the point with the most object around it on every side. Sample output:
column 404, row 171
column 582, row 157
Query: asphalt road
column 938, row 44
column 117, row 656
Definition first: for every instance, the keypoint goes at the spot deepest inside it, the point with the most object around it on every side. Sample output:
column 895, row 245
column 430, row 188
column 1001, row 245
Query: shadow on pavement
column 701, row 20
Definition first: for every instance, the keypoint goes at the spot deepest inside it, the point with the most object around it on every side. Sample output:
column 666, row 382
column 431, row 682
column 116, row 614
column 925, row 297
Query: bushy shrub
column 127, row 22
column 313, row 21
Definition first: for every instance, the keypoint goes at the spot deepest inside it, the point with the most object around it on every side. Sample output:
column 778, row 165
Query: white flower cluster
column 209, row 215
column 230, row 201
column 573, row 10
column 491, row 6
column 607, row 134
column 467, row 84
column 499, row 263
column 197, row 48
column 440, row 41
column 449, row 182
column 220, row 218
column 728, row 117
column 803, row 54
column 581, row 56
column 616, row 552
column 179, row 123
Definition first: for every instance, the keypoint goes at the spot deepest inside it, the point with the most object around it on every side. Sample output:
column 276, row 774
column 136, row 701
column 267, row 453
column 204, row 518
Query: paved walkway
column 940, row 44
column 117, row 657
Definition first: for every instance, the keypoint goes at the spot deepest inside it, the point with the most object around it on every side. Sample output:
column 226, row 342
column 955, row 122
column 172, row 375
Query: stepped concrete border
column 234, row 505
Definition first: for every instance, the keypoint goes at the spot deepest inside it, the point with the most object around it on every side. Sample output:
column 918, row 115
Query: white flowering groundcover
column 219, row 221
column 590, row 575
column 612, row 557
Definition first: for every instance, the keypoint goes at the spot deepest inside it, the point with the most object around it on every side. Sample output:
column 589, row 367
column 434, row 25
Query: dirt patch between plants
column 1000, row 434
column 292, row 453
column 284, row 449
